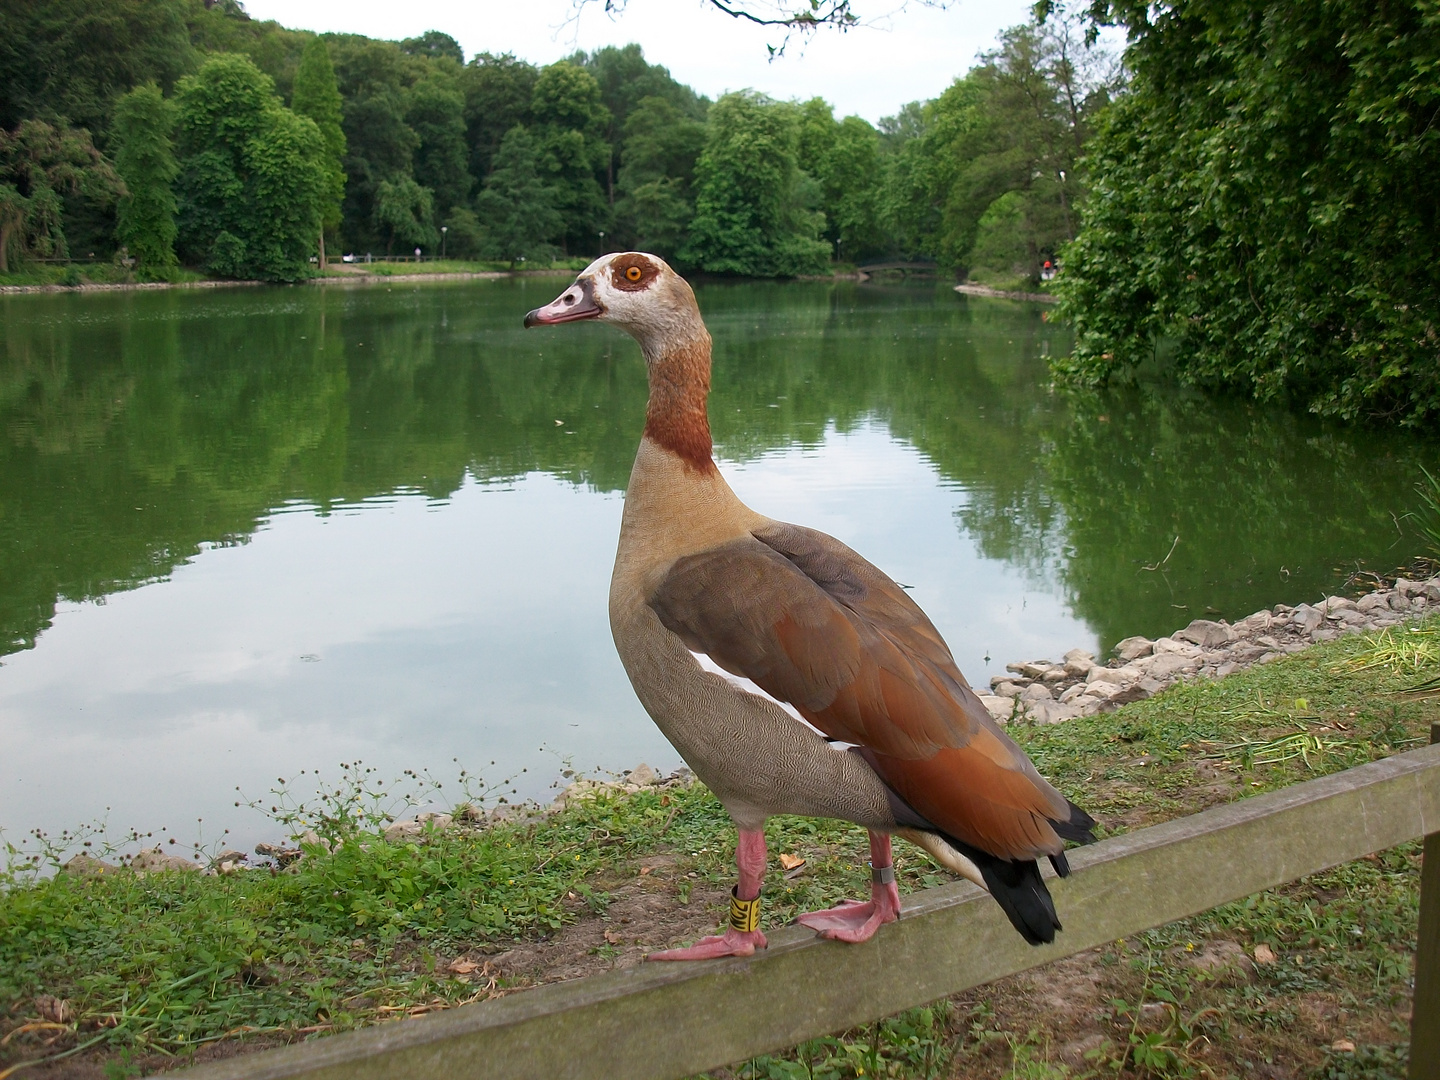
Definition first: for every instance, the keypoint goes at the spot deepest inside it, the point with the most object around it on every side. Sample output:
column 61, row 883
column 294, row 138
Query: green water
column 246, row 531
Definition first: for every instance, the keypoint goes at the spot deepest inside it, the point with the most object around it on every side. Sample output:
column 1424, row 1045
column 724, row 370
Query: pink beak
column 575, row 303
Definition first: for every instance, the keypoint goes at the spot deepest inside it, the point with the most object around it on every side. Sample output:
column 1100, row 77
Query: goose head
column 635, row 291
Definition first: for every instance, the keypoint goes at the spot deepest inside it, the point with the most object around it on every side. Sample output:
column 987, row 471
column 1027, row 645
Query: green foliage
column 403, row 210
column 39, row 165
column 1013, row 129
column 68, row 60
column 569, row 127
column 145, row 160
column 318, row 97
column 1427, row 517
column 253, row 179
column 498, row 91
column 436, row 113
column 1265, row 199
column 755, row 211
column 516, row 208
column 657, row 199
column 434, row 46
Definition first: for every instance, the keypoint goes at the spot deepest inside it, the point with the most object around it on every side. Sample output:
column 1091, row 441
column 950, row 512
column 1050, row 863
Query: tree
column 374, row 77
column 516, row 207
column 404, row 212
column 498, row 91
column 754, row 209
column 318, row 97
column 1266, row 198
column 145, row 160
column 71, row 59
column 844, row 157
column 656, row 179
column 569, row 126
column 436, row 113
column 252, row 181
column 39, row 164
column 434, row 45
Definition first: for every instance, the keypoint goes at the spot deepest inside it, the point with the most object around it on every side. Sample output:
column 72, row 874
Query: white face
column 635, row 291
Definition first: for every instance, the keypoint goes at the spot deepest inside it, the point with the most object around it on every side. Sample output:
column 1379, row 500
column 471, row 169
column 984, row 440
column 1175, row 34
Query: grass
column 155, row 966
column 99, row 273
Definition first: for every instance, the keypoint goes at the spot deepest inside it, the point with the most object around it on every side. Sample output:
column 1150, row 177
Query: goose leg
column 750, row 857
column 853, row 920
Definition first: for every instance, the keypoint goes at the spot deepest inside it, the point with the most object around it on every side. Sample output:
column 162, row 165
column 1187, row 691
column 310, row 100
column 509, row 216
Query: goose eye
column 632, row 274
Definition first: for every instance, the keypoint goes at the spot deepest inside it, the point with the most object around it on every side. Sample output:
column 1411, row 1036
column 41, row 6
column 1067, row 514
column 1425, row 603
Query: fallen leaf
column 463, row 967
column 790, row 862
column 645, row 870
column 613, row 939
column 1264, row 954
column 1344, row 1046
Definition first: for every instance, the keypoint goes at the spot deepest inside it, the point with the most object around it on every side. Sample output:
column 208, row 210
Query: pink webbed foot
column 731, row 943
column 855, row 920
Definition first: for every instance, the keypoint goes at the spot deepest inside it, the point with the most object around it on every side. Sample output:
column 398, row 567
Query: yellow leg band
column 744, row 914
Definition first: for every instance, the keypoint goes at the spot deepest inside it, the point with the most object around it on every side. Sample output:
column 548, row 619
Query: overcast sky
column 911, row 54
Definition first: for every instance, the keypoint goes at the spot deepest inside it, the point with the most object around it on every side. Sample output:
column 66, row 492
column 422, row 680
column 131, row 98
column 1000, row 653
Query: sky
column 903, row 53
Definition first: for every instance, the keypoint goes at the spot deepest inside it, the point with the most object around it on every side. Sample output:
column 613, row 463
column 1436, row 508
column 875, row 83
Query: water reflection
column 380, row 519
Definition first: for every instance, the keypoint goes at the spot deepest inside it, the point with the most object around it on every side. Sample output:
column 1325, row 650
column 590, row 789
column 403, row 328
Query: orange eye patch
column 632, row 274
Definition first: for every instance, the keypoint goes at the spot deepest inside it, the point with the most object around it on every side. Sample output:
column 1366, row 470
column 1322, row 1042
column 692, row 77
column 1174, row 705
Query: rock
column 54, row 1010
column 1265, row 641
column 1167, row 665
column 1000, row 708
column 469, row 813
column 1008, row 689
column 1036, row 692
column 1264, row 954
column 228, row 862
column 1132, row 648
column 1324, row 634
column 1227, row 668
column 1432, row 590
column 312, row 839
column 282, row 855
column 1137, row 691
column 1074, row 692
column 1206, row 633
column 88, row 866
column 1333, row 605
column 1052, row 712
column 996, row 680
column 1307, row 618
column 1031, row 669
column 1349, row 617
column 400, row 830
column 1253, row 624
column 1406, row 588
column 1170, row 645
column 1055, row 674
column 642, row 776
column 1371, row 602
column 155, row 861
column 437, row 821
column 1075, row 655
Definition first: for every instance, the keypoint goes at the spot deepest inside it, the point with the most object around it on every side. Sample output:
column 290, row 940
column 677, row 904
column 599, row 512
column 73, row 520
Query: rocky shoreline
column 1046, row 692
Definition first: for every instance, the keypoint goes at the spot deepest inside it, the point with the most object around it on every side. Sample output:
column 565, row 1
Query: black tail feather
column 1078, row 827
column 1018, row 889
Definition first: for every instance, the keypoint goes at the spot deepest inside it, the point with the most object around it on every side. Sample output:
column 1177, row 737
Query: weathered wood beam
column 671, row 1020
column 1425, row 1010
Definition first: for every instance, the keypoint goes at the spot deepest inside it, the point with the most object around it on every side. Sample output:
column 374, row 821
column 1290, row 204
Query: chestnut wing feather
column 813, row 623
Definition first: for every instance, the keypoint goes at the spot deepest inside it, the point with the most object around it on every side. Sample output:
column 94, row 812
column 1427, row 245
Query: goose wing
column 812, row 623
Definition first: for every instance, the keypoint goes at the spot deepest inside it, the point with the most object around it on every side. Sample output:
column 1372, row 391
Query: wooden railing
column 661, row 1021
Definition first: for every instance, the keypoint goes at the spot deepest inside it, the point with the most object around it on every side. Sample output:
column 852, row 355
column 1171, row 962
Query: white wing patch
column 742, row 683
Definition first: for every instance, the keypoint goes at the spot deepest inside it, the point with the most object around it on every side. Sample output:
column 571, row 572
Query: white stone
column 1375, row 601
column 1133, row 648
column 999, row 708
column 1170, row 645
column 1036, row 692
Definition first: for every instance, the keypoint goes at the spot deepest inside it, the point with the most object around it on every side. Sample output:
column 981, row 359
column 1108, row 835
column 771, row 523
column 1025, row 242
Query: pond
column 249, row 531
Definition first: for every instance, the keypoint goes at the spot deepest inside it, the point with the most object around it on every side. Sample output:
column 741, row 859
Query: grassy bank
column 72, row 275
column 127, row 971
column 339, row 269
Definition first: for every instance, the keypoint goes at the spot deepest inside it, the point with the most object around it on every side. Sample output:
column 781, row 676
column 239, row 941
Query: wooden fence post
column 1425, row 1012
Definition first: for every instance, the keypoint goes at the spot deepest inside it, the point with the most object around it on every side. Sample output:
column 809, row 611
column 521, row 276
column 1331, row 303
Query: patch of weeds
column 1368, row 1063
column 914, row 1045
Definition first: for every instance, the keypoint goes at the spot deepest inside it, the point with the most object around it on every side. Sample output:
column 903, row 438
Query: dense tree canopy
column 146, row 163
column 252, row 183
column 40, row 164
column 1267, row 198
column 318, row 97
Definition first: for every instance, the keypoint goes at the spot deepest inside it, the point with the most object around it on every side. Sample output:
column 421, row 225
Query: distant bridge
column 906, row 268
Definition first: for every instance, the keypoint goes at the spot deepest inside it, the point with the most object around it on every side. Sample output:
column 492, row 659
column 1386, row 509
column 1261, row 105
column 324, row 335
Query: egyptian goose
column 791, row 675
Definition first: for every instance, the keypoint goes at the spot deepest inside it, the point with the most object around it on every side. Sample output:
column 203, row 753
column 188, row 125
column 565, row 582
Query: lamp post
column 443, row 230
column 602, row 241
